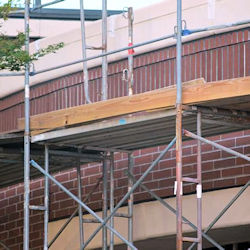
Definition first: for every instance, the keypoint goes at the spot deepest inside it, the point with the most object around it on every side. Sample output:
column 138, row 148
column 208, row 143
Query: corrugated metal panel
column 214, row 58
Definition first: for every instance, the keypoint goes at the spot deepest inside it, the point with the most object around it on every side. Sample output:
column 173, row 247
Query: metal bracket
column 184, row 32
column 125, row 73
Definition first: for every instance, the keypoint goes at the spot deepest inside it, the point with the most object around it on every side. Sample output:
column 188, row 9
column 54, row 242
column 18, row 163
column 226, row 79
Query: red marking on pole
column 131, row 51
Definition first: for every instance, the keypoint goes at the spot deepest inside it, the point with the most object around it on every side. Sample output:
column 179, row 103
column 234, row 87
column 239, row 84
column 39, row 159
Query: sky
column 97, row 4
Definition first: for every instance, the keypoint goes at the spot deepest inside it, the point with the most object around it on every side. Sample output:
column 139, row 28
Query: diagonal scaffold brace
column 126, row 196
column 165, row 204
column 39, row 168
column 223, row 211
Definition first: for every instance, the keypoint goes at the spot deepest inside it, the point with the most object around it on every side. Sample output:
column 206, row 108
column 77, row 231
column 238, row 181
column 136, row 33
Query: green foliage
column 6, row 8
column 13, row 57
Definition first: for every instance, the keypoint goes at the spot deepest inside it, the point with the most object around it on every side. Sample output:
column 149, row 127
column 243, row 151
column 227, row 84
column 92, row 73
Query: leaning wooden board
column 194, row 93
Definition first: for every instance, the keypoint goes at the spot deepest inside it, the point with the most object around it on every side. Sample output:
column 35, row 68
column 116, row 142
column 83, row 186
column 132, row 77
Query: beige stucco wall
column 38, row 28
column 151, row 219
column 150, row 22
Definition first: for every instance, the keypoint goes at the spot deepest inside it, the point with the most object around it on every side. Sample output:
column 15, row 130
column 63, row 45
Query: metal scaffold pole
column 46, row 197
column 130, row 52
column 80, row 212
column 131, row 199
column 104, row 50
column 179, row 188
column 105, row 202
column 199, row 185
column 26, row 135
column 112, row 166
column 84, row 54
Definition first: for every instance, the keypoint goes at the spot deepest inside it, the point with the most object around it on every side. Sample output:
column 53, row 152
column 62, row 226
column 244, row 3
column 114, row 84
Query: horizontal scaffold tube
column 228, row 150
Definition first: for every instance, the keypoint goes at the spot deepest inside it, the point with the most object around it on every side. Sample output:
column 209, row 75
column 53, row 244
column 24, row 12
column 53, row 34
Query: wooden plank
column 161, row 98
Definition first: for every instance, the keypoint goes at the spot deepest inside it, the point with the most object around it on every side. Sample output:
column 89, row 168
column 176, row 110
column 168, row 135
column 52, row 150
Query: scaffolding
column 105, row 155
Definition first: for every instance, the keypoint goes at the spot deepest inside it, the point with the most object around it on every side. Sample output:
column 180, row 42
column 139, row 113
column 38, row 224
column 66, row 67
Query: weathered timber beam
column 161, row 98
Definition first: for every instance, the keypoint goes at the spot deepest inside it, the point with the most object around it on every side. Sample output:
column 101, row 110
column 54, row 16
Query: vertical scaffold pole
column 179, row 188
column 105, row 203
column 111, row 247
column 131, row 199
column 130, row 52
column 26, row 135
column 46, row 197
column 199, row 185
column 80, row 213
column 84, row 54
column 104, row 50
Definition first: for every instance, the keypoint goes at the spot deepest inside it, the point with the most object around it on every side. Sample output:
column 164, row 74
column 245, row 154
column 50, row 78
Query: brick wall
column 219, row 57
column 220, row 170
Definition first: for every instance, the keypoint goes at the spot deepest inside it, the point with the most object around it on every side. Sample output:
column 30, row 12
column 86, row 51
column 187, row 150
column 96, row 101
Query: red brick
column 232, row 135
column 211, row 175
column 62, row 177
column 188, row 169
column 241, row 161
column 3, row 235
column 121, row 164
column 205, row 166
column 142, row 196
column 232, row 172
column 247, row 169
column 146, row 151
column 204, row 148
column 223, row 163
column 242, row 180
column 228, row 143
column 151, row 185
column 246, row 150
column 62, row 213
column 14, row 233
column 60, row 196
column 167, row 183
column 10, row 225
column 243, row 141
column 167, row 156
column 164, row 192
column 224, row 183
column 188, row 188
column 144, row 168
column 247, row 132
column 210, row 156
column 36, row 243
column 143, row 160
column 96, row 197
column 38, row 226
column 35, row 184
column 11, row 192
column 225, row 154
column 208, row 185
column 119, row 173
column 167, row 163
column 161, row 174
column 118, row 156
column 92, row 170
column 36, row 193
column 122, row 182
column 73, row 174
column 66, row 203
column 11, row 209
